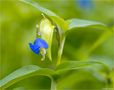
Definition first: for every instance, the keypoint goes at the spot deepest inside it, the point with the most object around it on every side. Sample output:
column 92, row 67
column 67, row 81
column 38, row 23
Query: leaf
column 59, row 21
column 46, row 29
column 22, row 73
column 71, row 65
column 77, row 23
column 102, row 38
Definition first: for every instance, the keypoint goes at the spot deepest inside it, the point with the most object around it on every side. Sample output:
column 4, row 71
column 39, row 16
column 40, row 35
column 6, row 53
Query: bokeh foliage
column 17, row 29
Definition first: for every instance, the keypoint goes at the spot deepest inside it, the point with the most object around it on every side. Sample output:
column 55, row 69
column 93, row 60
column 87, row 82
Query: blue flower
column 86, row 4
column 38, row 43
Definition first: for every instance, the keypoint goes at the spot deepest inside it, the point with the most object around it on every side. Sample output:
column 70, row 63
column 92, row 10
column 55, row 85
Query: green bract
column 46, row 29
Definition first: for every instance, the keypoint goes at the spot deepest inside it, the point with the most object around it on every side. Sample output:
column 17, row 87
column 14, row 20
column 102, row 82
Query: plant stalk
column 60, row 50
column 53, row 84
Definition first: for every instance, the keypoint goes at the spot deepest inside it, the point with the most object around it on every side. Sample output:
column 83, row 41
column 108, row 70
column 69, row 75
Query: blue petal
column 34, row 48
column 40, row 43
column 86, row 4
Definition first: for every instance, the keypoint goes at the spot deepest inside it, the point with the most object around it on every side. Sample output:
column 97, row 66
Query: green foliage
column 72, row 65
column 22, row 73
column 33, row 70
column 60, row 72
column 77, row 23
column 56, row 19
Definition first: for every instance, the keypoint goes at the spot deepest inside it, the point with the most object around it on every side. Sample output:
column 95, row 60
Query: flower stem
column 60, row 51
column 53, row 84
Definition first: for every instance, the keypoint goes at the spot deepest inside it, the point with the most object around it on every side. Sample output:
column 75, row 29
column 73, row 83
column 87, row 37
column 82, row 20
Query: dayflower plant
column 42, row 44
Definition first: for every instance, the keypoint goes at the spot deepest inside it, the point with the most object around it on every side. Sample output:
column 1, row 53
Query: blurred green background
column 17, row 29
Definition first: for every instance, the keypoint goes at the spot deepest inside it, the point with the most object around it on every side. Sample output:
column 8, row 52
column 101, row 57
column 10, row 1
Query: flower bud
column 46, row 29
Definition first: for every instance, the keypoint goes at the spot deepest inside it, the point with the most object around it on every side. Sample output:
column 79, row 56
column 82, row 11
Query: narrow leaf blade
column 56, row 19
column 77, row 23
column 22, row 73
column 102, row 39
column 72, row 65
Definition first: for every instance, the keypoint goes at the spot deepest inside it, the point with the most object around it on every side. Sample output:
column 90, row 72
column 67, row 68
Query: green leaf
column 72, row 65
column 77, row 23
column 102, row 38
column 22, row 73
column 56, row 19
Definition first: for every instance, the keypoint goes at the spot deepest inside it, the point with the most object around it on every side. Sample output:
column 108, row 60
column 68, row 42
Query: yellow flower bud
column 46, row 29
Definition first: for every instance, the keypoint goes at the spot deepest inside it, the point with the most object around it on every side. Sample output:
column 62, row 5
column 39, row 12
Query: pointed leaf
column 102, row 39
column 71, row 65
column 22, row 73
column 77, row 23
column 56, row 19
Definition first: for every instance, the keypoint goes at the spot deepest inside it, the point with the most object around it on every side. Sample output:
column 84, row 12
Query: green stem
column 60, row 51
column 53, row 84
